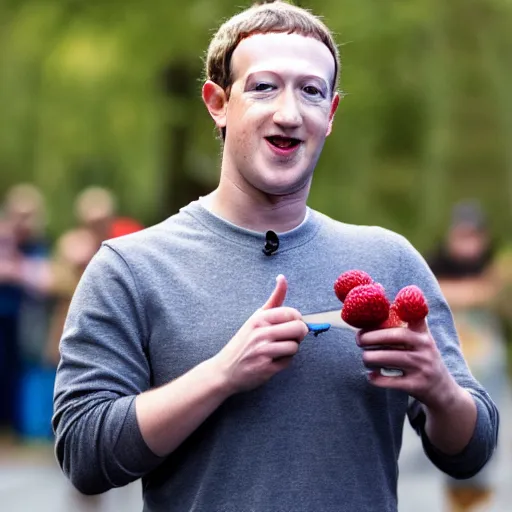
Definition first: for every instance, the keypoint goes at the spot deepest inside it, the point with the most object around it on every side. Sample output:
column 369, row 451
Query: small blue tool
column 321, row 322
column 317, row 329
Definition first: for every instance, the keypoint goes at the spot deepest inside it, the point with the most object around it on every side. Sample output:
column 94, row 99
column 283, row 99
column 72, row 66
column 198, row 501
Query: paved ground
column 30, row 481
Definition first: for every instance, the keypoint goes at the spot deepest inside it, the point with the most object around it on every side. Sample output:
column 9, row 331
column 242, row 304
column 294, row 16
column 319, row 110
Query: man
column 96, row 210
column 465, row 265
column 25, row 279
column 181, row 366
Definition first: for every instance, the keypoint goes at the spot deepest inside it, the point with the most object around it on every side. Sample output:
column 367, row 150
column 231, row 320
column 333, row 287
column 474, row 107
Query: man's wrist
column 218, row 377
column 446, row 394
column 452, row 400
column 451, row 421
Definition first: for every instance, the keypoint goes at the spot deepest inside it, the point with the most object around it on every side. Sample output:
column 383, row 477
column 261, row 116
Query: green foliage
column 98, row 92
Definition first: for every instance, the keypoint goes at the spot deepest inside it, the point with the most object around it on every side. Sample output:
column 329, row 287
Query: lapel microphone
column 271, row 243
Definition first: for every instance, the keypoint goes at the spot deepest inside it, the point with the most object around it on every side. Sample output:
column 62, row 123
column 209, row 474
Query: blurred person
column 96, row 212
column 464, row 265
column 95, row 209
column 181, row 366
column 9, row 312
column 24, row 206
column 25, row 210
column 503, row 271
column 74, row 250
column 124, row 226
column 25, row 280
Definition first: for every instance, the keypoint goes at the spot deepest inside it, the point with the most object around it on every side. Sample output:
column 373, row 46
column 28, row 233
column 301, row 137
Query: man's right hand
column 264, row 345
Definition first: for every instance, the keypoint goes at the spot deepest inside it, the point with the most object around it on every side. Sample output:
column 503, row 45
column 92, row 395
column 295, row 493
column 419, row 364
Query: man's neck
column 254, row 210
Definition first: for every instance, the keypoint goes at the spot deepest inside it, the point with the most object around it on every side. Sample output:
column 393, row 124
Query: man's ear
column 216, row 101
column 334, row 107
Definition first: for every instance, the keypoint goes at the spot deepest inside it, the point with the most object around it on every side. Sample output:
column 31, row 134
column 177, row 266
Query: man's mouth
column 283, row 142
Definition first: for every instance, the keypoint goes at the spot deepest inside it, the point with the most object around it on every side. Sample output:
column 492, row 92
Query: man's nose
column 288, row 112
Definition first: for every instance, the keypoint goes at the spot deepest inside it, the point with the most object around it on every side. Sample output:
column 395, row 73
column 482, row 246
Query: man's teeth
column 283, row 143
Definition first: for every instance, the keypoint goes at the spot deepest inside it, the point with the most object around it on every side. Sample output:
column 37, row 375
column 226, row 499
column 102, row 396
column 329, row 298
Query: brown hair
column 264, row 18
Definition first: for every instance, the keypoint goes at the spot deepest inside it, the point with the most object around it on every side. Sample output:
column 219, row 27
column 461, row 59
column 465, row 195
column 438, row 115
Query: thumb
column 278, row 295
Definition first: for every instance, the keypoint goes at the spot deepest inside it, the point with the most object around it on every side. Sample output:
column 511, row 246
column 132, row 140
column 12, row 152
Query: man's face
column 467, row 243
column 25, row 219
column 279, row 112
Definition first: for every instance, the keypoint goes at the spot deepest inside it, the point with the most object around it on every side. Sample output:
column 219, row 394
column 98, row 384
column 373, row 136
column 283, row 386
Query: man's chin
column 286, row 187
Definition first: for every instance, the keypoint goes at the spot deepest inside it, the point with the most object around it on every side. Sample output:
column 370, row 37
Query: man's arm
column 450, row 423
column 470, row 292
column 263, row 346
column 102, row 368
column 459, row 435
column 451, row 411
column 110, row 427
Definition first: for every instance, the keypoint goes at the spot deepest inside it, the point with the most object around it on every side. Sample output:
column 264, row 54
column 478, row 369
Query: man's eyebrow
column 278, row 74
column 316, row 77
column 261, row 71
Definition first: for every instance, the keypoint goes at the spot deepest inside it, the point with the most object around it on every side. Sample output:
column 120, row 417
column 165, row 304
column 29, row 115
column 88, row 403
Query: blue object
column 317, row 329
column 36, row 403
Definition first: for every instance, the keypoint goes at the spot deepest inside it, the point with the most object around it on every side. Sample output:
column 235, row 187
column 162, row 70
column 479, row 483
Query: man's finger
column 282, row 349
column 279, row 315
column 397, row 337
column 420, row 326
column 387, row 359
column 278, row 295
column 290, row 330
column 401, row 383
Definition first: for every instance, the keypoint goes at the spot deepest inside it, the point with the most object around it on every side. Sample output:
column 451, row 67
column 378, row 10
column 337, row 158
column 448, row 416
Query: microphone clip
column 271, row 243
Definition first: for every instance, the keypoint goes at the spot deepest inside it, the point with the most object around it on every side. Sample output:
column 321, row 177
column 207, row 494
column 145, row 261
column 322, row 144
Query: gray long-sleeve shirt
column 317, row 437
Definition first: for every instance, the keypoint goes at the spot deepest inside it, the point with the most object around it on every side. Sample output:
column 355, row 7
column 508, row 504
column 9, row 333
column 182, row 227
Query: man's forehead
column 282, row 52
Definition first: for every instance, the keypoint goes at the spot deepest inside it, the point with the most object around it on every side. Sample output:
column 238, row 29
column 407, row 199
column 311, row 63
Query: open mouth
column 283, row 142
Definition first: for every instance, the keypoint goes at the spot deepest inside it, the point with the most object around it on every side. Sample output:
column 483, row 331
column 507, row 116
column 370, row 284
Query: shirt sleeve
column 103, row 367
column 483, row 443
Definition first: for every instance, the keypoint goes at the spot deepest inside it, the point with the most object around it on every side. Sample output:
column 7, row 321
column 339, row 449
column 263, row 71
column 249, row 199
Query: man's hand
column 413, row 350
column 264, row 345
column 450, row 409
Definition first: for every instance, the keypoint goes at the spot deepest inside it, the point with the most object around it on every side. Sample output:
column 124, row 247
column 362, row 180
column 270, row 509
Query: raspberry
column 393, row 319
column 366, row 306
column 411, row 305
column 349, row 280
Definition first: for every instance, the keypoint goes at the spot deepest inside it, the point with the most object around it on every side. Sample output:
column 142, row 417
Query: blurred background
column 103, row 132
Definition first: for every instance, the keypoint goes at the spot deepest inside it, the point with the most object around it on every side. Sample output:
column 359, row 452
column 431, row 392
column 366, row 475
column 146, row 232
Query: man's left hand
column 412, row 350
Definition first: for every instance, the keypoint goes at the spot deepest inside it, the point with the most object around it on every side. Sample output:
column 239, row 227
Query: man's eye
column 262, row 87
column 311, row 90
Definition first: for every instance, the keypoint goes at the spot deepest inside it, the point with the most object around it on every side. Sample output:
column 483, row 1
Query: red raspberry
column 393, row 319
column 349, row 280
column 411, row 305
column 366, row 306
